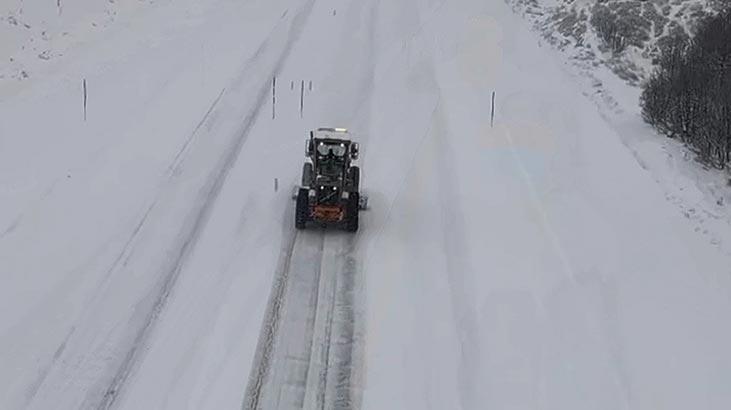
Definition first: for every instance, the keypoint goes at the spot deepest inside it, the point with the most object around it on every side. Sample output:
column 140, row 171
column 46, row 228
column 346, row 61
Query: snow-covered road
column 149, row 258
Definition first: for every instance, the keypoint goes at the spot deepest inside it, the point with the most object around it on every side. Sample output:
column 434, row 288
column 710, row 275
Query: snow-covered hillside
column 626, row 35
column 149, row 260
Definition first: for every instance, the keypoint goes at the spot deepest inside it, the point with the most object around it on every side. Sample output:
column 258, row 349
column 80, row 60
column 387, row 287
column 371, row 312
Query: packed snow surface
column 149, row 260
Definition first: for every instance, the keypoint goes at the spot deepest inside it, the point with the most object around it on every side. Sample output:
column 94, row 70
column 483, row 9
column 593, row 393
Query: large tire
column 354, row 179
column 302, row 212
column 351, row 221
column 307, row 175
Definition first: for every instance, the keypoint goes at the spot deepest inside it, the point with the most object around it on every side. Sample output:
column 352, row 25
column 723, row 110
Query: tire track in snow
column 280, row 370
column 30, row 208
column 177, row 159
column 319, row 345
column 12, row 226
column 199, row 215
column 270, row 325
column 343, row 388
column 308, row 350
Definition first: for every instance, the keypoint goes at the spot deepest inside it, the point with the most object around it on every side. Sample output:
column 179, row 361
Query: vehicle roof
column 331, row 129
column 332, row 134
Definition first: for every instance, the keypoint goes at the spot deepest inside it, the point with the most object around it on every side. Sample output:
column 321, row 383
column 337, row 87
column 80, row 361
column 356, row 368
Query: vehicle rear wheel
column 354, row 179
column 351, row 223
column 302, row 212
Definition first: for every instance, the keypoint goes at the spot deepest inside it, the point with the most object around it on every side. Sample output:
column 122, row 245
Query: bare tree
column 689, row 95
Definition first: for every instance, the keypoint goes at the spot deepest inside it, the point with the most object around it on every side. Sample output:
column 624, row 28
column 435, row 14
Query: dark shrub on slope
column 620, row 24
column 689, row 96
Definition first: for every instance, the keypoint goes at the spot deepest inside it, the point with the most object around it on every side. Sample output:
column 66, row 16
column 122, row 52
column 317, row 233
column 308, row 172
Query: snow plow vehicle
column 330, row 191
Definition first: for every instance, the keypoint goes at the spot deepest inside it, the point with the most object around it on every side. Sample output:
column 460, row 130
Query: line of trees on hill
column 689, row 96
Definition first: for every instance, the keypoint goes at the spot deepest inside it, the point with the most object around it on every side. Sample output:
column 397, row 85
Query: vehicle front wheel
column 307, row 174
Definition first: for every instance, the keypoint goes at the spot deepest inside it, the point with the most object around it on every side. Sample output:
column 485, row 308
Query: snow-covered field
column 149, row 260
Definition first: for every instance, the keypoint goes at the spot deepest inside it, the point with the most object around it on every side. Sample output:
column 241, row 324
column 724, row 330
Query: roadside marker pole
column 274, row 97
column 85, row 99
column 492, row 111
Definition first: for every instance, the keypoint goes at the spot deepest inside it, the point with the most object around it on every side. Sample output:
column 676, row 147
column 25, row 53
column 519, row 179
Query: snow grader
column 330, row 191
